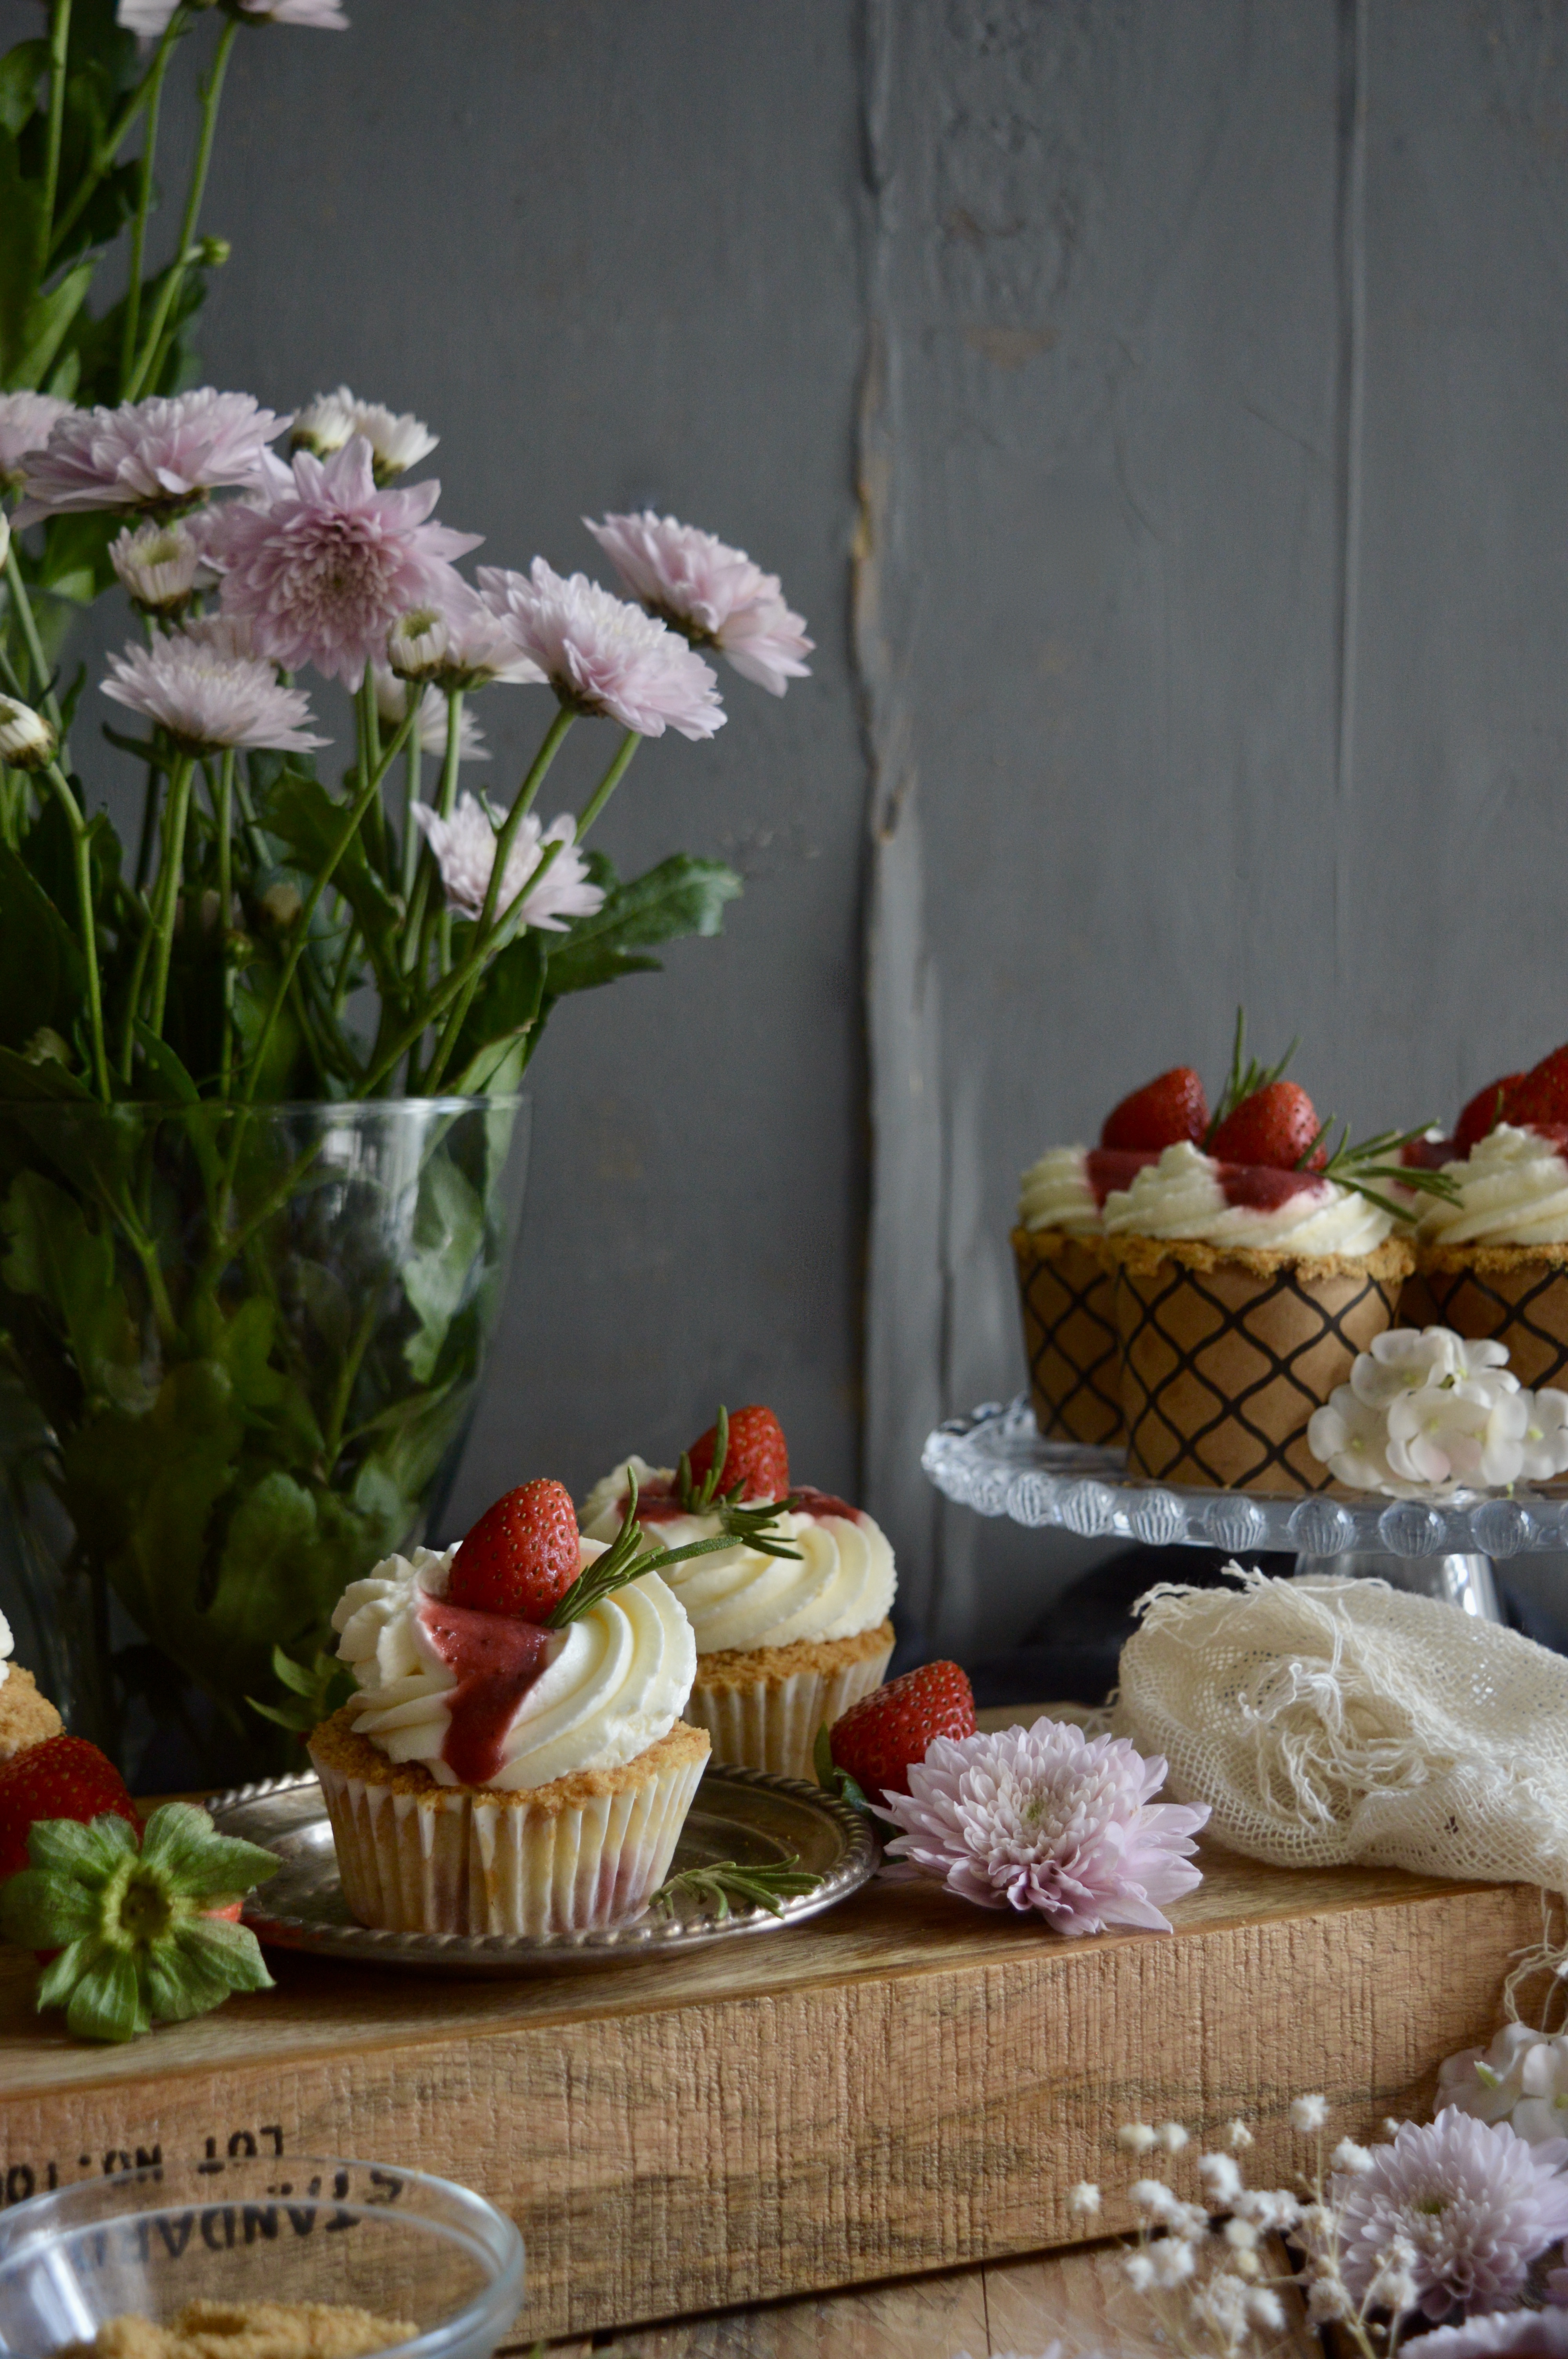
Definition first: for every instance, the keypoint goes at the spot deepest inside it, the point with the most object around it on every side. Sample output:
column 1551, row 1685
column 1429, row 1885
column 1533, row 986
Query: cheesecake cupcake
column 789, row 1606
column 516, row 1760
column 1247, row 1279
column 1494, row 1256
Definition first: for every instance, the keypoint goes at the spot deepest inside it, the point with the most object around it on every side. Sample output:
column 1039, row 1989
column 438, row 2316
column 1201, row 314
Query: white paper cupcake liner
column 773, row 1723
column 451, row 1860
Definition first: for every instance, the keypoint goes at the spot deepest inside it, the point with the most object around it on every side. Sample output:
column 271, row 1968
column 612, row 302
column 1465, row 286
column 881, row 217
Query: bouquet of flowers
column 258, row 1071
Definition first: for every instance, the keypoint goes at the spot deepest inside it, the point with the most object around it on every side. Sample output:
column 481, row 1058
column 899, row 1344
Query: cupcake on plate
column 1064, row 1277
column 1249, row 1275
column 516, row 1760
column 1494, row 1256
column 790, row 1608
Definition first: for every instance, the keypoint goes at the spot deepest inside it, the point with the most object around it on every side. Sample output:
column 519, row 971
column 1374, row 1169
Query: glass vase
column 241, row 1350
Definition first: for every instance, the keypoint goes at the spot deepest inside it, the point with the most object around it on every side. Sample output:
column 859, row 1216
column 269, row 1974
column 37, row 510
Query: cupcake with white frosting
column 789, row 1609
column 1494, row 1257
column 516, row 1760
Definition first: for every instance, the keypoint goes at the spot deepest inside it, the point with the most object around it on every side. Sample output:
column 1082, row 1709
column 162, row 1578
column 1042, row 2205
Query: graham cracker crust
column 335, row 1742
column 1395, row 1258
column 1493, row 1260
column 1044, row 1243
column 26, row 1718
column 749, row 1667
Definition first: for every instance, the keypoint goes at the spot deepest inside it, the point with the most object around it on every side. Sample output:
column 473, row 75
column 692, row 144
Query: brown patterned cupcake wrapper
column 1224, row 1365
column 1512, row 1299
column 1069, row 1336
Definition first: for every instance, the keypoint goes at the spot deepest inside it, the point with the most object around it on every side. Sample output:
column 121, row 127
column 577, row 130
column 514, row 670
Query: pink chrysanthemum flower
column 392, row 703
column 603, row 655
column 1049, row 1818
column 1474, row 2201
column 1527, row 2334
column 158, row 565
column 324, row 569
column 458, row 643
column 157, row 457
column 712, row 594
column 398, row 441
column 206, row 697
column 464, row 846
column 149, row 17
column 26, row 421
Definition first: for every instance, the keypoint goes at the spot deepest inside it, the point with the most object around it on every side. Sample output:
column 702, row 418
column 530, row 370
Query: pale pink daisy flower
column 157, row 457
column 712, row 594
column 149, row 17
column 459, row 644
column 601, row 655
column 324, row 569
column 156, row 565
column 464, row 846
column 1048, row 1818
column 206, row 699
column 27, row 420
column 1474, row 2203
column 392, row 703
column 397, row 441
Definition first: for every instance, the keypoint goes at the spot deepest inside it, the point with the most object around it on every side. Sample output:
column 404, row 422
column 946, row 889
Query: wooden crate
column 908, row 2084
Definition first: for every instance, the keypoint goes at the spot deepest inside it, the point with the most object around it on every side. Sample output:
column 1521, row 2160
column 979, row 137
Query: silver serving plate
column 739, row 1814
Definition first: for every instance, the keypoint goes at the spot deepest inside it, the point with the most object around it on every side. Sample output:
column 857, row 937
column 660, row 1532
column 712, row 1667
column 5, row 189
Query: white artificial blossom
column 1427, row 1412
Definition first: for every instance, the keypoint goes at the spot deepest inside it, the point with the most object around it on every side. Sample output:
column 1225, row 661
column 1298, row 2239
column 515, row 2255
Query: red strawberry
column 756, row 1457
column 880, row 1736
column 1161, row 1114
column 522, row 1556
column 1486, row 1110
column 1542, row 1097
column 64, row 1778
column 1274, row 1126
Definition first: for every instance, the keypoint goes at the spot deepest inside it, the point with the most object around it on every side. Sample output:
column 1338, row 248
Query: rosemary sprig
column 750, row 1526
column 1354, row 1165
column 727, row 1881
column 628, row 1558
column 839, row 1782
column 1244, row 1076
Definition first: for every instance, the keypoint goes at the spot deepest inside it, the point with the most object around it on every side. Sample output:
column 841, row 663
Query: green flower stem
column 149, row 825
column 119, row 131
column 490, row 933
column 60, row 45
column 42, row 694
column 342, row 1391
column 345, row 964
column 166, row 901
column 608, row 784
column 226, row 913
column 82, row 859
column 412, row 760
column 212, row 92
column 133, row 995
column 447, row 806
column 345, row 836
column 154, row 92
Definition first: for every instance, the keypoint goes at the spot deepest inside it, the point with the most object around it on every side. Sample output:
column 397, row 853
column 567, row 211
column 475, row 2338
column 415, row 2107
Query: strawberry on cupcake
column 1064, row 1277
column 789, row 1607
column 1494, row 1254
column 516, row 1760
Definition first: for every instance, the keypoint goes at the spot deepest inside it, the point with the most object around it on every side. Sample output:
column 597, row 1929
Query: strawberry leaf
column 89, row 1853
column 39, row 1910
column 107, row 2003
column 200, row 1862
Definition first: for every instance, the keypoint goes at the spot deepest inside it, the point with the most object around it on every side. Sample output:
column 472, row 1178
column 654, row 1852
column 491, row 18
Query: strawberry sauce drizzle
column 1261, row 1189
column 1110, row 1167
column 497, row 1657
column 658, row 1503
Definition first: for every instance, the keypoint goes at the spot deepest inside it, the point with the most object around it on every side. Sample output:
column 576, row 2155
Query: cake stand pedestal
column 995, row 1462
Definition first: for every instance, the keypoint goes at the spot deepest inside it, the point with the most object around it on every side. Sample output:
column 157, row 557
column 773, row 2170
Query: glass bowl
column 296, row 2228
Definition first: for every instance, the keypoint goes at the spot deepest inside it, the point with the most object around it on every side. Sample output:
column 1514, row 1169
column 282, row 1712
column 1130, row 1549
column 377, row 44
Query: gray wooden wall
column 1159, row 409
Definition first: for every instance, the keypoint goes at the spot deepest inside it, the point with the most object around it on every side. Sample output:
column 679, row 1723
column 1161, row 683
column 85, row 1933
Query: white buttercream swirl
column 6, row 1643
column 1513, row 1190
column 1180, row 1196
column 1055, row 1192
column 612, row 1684
column 842, row 1583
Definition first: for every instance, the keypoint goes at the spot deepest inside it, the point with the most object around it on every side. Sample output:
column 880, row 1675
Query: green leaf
column 681, row 895
column 837, row 1781
column 200, row 1864
column 497, row 1071
column 506, row 1004
column 44, row 325
column 54, row 1257
column 20, row 220
column 43, row 1911
column 449, row 1230
column 40, row 969
column 89, row 1853
column 179, row 1987
column 162, row 1076
column 107, row 2002
column 62, row 1974
column 305, row 818
column 21, row 70
column 232, row 1950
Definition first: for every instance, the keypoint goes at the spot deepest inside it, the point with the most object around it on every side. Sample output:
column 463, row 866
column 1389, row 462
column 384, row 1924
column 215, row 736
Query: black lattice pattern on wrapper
column 1070, row 1338
column 1524, row 1306
column 1222, row 1369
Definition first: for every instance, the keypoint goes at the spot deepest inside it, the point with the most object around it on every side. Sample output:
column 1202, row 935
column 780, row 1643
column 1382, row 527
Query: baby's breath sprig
column 626, row 1559
column 726, row 1882
column 1246, row 1076
column 1355, row 1166
column 749, row 1525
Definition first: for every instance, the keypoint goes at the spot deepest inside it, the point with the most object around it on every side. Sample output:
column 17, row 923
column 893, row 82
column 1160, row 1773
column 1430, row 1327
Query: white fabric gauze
column 1328, row 1722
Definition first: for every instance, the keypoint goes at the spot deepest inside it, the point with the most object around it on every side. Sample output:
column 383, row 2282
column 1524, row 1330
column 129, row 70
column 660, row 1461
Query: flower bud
column 27, row 740
column 417, row 645
column 157, row 566
column 213, row 252
column 282, row 904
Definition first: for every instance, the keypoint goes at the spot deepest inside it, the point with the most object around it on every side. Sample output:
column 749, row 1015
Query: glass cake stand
column 995, row 1462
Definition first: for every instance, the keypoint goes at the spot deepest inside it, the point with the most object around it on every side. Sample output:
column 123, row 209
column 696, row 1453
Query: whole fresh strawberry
column 1486, row 1110
column 522, row 1556
column 1540, row 1098
column 1162, row 1112
column 144, row 1932
column 880, row 1736
column 64, row 1778
column 1276, row 1126
column 756, row 1458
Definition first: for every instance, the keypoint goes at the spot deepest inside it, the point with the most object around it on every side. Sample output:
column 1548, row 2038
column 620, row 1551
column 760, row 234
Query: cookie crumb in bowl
column 248, row 2329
